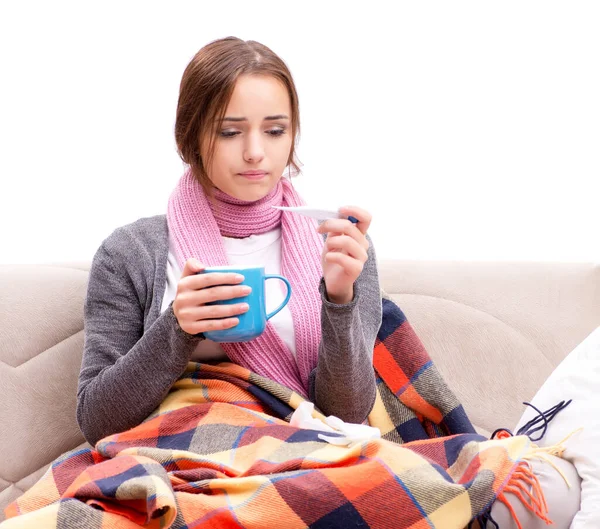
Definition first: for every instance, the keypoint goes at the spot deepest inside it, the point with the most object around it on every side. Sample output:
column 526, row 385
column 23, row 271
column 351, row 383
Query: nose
column 254, row 150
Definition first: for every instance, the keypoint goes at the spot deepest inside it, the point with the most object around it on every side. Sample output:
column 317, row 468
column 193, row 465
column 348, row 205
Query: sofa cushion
column 41, row 343
column 496, row 330
column 577, row 378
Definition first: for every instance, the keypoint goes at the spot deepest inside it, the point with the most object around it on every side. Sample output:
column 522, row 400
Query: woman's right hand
column 193, row 292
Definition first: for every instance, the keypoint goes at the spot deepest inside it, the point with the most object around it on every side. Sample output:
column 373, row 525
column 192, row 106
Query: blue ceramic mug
column 253, row 322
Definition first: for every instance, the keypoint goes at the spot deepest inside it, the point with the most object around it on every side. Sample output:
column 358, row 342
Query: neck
column 239, row 219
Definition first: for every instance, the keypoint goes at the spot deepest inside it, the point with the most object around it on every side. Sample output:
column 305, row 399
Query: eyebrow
column 268, row 118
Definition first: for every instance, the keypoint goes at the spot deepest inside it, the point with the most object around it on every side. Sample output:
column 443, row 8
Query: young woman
column 147, row 308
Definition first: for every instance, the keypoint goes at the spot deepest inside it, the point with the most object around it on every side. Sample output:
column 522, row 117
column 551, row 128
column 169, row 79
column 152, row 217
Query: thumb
column 192, row 266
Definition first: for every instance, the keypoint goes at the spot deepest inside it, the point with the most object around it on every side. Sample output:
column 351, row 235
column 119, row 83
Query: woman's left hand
column 345, row 253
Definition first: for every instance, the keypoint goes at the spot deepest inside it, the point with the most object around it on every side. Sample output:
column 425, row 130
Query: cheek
column 281, row 151
column 221, row 157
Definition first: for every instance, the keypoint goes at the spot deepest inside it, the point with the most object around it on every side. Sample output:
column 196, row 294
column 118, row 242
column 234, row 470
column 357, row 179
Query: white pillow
column 577, row 378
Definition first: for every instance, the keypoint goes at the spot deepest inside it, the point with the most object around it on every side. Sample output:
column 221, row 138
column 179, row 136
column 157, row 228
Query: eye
column 229, row 133
column 276, row 132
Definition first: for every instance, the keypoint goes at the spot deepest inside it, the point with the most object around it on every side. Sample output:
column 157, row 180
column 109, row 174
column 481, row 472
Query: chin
column 254, row 191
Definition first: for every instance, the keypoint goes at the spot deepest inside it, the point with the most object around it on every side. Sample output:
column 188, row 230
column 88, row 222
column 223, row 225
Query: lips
column 253, row 175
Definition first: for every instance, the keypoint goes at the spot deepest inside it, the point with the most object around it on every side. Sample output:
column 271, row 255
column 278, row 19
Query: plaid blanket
column 220, row 452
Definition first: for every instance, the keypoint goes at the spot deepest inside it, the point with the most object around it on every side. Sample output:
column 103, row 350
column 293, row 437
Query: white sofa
column 495, row 330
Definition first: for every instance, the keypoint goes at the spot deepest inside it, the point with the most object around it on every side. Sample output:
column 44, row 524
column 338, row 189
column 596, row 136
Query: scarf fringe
column 525, row 485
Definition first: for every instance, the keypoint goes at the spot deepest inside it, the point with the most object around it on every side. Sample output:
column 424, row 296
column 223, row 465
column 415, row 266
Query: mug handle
column 287, row 297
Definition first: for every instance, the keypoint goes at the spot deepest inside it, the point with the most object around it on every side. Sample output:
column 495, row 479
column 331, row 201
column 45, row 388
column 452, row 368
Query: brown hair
column 206, row 89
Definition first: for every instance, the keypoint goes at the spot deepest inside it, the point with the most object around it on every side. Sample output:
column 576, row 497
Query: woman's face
column 253, row 142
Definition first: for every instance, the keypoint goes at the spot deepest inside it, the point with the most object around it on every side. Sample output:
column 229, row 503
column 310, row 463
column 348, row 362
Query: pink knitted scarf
column 196, row 225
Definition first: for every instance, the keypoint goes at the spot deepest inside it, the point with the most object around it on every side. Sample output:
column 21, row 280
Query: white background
column 471, row 130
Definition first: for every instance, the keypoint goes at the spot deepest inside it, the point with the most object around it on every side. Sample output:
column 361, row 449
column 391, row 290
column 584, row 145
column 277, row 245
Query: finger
column 362, row 215
column 352, row 267
column 197, row 298
column 213, row 312
column 221, row 293
column 213, row 325
column 192, row 266
column 211, row 279
column 345, row 227
column 360, row 239
column 348, row 245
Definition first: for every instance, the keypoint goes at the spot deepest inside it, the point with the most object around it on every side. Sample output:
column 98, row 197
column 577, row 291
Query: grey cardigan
column 133, row 353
